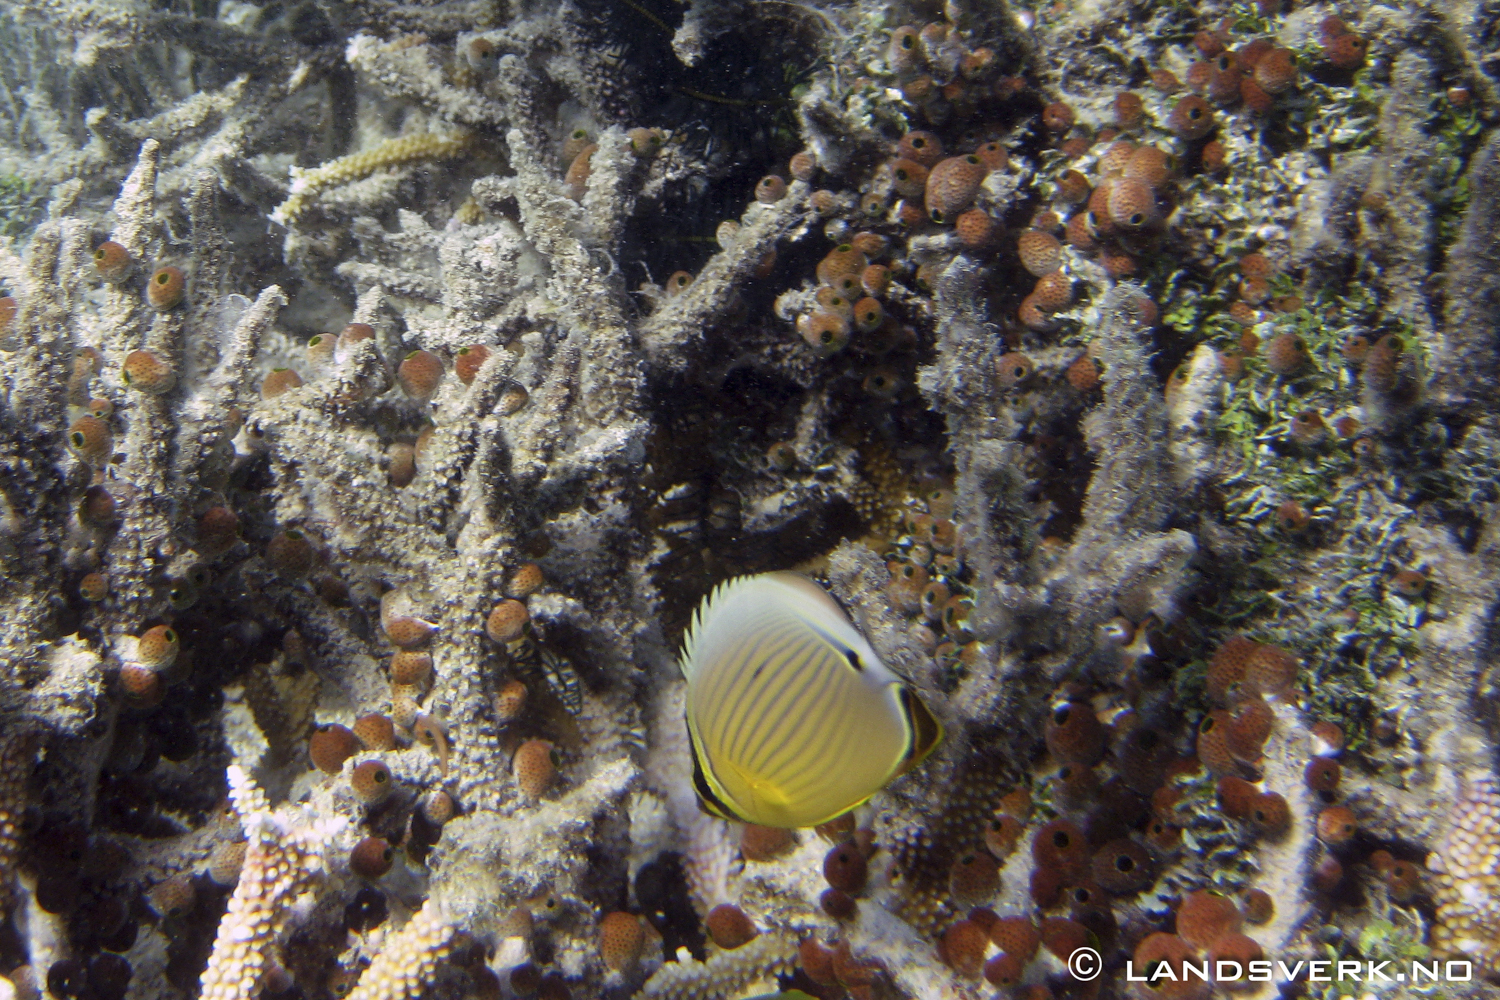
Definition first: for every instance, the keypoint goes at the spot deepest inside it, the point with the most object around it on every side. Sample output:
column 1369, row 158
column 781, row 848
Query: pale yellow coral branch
column 391, row 153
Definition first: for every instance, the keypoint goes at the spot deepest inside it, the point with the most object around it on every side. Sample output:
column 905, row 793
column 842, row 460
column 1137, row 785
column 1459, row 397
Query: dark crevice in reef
column 733, row 112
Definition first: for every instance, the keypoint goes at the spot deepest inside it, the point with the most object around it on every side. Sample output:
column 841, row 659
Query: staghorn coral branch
column 281, row 862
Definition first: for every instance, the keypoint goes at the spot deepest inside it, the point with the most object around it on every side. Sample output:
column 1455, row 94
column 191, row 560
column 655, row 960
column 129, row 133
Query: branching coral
column 1466, row 868
column 281, row 862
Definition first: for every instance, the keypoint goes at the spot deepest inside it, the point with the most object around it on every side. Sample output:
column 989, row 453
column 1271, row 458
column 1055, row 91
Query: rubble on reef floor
column 383, row 385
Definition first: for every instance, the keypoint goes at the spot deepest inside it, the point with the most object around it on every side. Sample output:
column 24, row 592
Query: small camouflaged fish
column 793, row 718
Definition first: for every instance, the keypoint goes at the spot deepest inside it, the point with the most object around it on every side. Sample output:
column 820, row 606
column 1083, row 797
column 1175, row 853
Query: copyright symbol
column 1085, row 964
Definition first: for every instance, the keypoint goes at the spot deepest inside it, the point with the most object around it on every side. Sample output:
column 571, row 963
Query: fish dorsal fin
column 692, row 639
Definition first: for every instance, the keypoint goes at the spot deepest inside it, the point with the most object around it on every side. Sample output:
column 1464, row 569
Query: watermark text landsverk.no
column 1266, row 971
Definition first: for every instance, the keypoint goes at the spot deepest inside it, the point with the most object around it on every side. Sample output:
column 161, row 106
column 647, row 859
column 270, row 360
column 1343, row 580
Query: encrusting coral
column 382, row 386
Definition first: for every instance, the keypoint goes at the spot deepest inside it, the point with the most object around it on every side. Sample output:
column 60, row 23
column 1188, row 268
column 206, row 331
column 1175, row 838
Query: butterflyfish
column 792, row 717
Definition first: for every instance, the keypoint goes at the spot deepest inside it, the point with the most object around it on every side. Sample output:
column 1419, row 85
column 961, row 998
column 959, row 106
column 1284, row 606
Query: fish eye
column 853, row 659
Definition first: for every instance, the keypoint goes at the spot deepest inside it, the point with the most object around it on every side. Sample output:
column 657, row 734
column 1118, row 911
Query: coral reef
column 383, row 385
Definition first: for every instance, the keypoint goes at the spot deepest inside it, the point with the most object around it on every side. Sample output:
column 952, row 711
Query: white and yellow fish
column 793, row 718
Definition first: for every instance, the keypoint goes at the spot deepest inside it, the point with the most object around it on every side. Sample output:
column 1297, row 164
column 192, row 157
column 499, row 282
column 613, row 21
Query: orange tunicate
column 962, row 948
column 845, row 868
column 803, row 165
column 1346, row 51
column 1286, row 354
column 1255, row 290
column 1276, row 71
column 1382, row 362
column 1198, row 75
column 1192, row 118
column 909, row 178
column 923, row 147
column 1255, row 265
column 535, row 767
column 1062, row 936
column 729, row 927
column 622, row 937
column 973, row 878
column 994, row 156
column 113, row 262
column 1074, row 146
column 330, row 746
column 1270, row 814
column 1132, row 204
column 1156, row 949
column 1213, row 745
column 770, row 189
column 1209, row 43
column 1249, row 55
column 875, row 280
column 1004, row 970
column 1151, row 166
column 1165, row 81
column 468, row 361
column 1236, row 796
column 1117, row 262
column 1079, row 235
column 765, row 843
column 1250, row 724
column 1403, row 881
column 905, row 50
column 1254, row 97
column 577, row 177
column 1012, row 369
column 1033, row 318
column 1098, row 208
column 1258, row 906
column 1327, row 875
column 1271, row 671
column 1016, row 936
column 870, row 244
column 1123, row 867
column 1129, row 110
column 842, row 261
column 1057, row 117
column 1083, row 373
column 371, row 858
column 166, row 288
column 1053, row 292
column 1322, row 775
column 419, row 374
column 974, row 228
column 1202, row 917
column 952, row 185
column 1061, row 846
column 1237, row 948
column 507, row 621
column 1337, row 825
column 1212, row 157
column 909, row 212
column 1073, row 188
column 825, row 332
column 868, row 315
column 1002, row 834
column 148, row 372
column 976, row 63
column 1039, row 251
column 1224, row 80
